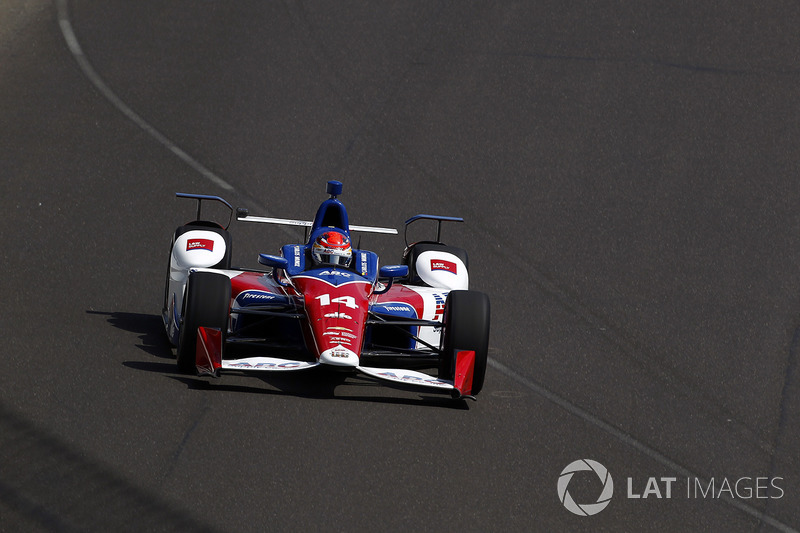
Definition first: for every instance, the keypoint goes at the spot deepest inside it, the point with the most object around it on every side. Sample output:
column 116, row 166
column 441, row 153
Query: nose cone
column 339, row 356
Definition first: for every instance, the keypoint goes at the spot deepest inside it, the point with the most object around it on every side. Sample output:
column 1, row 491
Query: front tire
column 208, row 297
column 466, row 327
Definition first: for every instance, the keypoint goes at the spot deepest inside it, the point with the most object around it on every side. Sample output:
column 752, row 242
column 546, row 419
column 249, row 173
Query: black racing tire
column 208, row 298
column 165, row 307
column 466, row 327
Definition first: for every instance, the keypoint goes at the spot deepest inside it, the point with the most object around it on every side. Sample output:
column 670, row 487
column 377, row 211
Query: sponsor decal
column 447, row 266
column 334, row 273
column 341, row 340
column 251, row 297
column 363, row 264
column 266, row 365
column 297, row 256
column 339, row 353
column 394, row 307
column 439, row 306
column 338, row 315
column 341, row 334
column 256, row 296
column 412, row 379
column 200, row 244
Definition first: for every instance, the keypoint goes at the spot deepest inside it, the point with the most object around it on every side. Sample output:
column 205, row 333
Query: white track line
column 88, row 70
column 75, row 47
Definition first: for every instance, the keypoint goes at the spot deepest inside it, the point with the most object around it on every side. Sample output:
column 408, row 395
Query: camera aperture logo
column 585, row 509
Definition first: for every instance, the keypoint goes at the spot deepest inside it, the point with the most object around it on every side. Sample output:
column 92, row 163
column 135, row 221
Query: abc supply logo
column 200, row 244
column 585, row 509
column 657, row 488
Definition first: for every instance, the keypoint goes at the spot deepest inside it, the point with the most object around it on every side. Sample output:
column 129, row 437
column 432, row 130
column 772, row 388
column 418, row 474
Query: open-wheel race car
column 323, row 303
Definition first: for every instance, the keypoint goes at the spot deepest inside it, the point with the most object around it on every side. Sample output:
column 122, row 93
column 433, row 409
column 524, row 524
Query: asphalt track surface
column 628, row 176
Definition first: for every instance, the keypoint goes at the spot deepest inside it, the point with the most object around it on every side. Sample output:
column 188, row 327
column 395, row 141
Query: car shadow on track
column 149, row 327
column 318, row 384
column 314, row 383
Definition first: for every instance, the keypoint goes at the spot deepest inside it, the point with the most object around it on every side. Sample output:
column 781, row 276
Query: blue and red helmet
column 332, row 248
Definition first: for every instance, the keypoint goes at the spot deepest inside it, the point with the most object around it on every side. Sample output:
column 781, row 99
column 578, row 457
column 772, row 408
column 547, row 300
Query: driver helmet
column 332, row 248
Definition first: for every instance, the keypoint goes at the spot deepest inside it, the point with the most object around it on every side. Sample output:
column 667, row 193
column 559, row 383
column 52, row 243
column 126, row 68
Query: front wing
column 209, row 362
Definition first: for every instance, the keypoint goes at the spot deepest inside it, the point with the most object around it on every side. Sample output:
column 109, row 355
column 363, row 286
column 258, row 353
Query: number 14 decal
column 347, row 301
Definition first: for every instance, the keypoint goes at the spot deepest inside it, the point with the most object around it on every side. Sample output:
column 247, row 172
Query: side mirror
column 273, row 261
column 393, row 271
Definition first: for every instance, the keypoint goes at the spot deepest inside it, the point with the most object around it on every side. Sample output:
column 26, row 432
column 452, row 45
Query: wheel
column 208, row 297
column 165, row 307
column 466, row 327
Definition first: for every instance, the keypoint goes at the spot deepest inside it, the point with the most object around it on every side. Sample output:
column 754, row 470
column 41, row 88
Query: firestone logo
column 585, row 509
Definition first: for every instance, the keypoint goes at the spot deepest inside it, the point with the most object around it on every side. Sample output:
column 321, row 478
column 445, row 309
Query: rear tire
column 466, row 327
column 208, row 297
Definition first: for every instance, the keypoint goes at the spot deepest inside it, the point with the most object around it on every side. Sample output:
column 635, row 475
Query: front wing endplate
column 209, row 361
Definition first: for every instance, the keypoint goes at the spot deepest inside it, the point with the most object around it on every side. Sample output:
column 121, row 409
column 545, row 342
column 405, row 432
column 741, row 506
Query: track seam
column 88, row 70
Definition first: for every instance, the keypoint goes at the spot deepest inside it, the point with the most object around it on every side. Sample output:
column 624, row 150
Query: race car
column 324, row 303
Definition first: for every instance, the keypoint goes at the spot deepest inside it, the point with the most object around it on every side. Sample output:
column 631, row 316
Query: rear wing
column 243, row 215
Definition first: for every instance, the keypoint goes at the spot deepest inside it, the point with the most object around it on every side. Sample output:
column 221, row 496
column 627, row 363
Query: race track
column 628, row 173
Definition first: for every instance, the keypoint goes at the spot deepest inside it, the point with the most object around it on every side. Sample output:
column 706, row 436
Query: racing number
column 347, row 301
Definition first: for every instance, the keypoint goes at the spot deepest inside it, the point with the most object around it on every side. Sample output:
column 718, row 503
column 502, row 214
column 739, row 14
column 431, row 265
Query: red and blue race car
column 324, row 303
